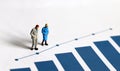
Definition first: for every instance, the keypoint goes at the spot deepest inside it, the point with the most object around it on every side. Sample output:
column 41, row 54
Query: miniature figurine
column 45, row 32
column 34, row 37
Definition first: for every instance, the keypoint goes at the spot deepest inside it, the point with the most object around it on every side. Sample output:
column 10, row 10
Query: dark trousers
column 45, row 42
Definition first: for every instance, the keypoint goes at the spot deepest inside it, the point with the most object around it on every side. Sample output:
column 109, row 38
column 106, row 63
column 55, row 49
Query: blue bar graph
column 69, row 62
column 110, row 53
column 91, row 59
column 21, row 69
column 46, row 66
column 116, row 39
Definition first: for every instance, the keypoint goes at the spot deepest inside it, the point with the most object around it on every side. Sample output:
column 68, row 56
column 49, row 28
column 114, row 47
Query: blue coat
column 45, row 32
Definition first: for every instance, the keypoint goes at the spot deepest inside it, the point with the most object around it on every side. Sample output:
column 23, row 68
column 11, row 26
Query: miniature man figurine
column 34, row 37
column 45, row 32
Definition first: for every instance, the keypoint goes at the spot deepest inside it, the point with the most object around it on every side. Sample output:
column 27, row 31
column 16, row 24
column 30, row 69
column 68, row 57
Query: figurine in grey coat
column 34, row 37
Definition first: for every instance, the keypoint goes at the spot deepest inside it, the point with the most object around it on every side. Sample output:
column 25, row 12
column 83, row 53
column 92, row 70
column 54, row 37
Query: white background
column 67, row 19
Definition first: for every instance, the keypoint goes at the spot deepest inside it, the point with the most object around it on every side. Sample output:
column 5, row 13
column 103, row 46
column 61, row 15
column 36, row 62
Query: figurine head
column 37, row 26
column 46, row 25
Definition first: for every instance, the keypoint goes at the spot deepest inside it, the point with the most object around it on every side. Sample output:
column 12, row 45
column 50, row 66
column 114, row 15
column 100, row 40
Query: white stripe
column 80, row 60
column 103, row 58
column 57, row 63
column 114, row 45
column 33, row 67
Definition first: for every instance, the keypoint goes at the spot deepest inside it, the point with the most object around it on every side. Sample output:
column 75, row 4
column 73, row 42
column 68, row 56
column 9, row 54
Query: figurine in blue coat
column 45, row 32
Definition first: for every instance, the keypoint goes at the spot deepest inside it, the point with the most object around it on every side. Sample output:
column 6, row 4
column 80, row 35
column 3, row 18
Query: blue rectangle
column 69, row 62
column 110, row 53
column 21, row 69
column 116, row 39
column 92, row 59
column 46, row 66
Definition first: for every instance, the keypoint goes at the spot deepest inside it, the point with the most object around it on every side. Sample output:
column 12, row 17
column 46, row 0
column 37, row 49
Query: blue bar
column 69, row 62
column 91, row 59
column 116, row 39
column 46, row 66
column 21, row 69
column 110, row 53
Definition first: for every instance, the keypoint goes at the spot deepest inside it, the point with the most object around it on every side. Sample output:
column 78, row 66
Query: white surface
column 67, row 19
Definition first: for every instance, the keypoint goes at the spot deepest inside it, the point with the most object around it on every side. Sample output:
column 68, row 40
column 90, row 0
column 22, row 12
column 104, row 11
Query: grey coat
column 34, row 33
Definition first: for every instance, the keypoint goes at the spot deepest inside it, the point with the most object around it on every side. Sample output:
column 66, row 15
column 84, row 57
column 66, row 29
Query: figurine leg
column 32, row 44
column 42, row 42
column 36, row 44
column 46, row 42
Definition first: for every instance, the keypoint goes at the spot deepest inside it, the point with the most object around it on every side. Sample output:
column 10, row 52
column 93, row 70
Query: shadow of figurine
column 15, row 40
